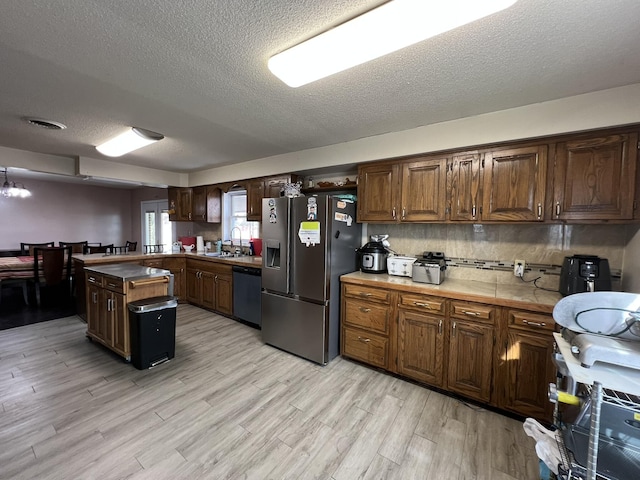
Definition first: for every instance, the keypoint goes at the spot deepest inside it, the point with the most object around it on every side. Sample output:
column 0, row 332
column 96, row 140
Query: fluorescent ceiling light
column 390, row 27
column 128, row 141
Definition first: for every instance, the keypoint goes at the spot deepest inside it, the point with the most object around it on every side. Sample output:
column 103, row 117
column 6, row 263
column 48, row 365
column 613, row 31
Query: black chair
column 27, row 248
column 131, row 246
column 99, row 249
column 76, row 247
column 52, row 268
column 153, row 248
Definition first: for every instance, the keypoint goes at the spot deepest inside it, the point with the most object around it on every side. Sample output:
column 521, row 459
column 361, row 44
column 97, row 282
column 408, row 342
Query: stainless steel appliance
column 584, row 273
column 247, row 294
column 308, row 242
column 430, row 268
column 373, row 257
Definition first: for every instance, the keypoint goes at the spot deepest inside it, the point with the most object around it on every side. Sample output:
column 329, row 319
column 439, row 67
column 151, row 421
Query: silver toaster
column 430, row 268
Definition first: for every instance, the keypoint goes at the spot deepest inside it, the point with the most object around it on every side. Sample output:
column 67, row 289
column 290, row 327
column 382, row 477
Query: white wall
column 631, row 262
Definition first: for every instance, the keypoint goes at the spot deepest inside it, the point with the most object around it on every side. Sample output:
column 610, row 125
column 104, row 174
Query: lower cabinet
column 495, row 355
column 177, row 267
column 210, row 286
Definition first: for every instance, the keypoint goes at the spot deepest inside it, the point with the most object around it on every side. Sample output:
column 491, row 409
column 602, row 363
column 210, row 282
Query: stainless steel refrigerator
column 308, row 242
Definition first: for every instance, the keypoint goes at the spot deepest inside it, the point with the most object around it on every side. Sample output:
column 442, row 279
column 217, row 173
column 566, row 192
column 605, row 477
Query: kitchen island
column 488, row 342
column 198, row 278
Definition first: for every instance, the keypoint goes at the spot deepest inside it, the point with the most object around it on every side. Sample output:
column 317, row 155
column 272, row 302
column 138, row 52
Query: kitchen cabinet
column 209, row 286
column 471, row 338
column 463, row 184
column 422, row 338
column 378, row 189
column 177, row 267
column 423, row 190
column 266, row 187
column 180, row 204
column 107, row 296
column 527, row 366
column 594, row 177
column 366, row 325
column 514, row 183
column 207, row 204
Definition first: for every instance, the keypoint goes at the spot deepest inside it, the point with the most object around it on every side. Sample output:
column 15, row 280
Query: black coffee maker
column 584, row 273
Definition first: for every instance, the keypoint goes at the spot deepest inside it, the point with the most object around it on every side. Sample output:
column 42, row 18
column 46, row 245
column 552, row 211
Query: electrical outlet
column 518, row 268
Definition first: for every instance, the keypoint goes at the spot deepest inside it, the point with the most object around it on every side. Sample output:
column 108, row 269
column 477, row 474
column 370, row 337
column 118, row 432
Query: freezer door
column 275, row 244
column 295, row 326
column 309, row 260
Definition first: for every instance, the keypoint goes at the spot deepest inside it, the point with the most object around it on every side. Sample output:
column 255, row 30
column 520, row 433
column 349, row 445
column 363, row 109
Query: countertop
column 524, row 296
column 99, row 258
column 128, row 271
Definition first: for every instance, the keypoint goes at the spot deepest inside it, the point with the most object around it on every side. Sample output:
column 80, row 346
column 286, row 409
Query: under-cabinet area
column 489, row 347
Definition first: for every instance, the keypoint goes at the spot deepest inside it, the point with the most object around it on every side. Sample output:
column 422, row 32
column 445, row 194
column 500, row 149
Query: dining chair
column 153, row 248
column 27, row 248
column 76, row 247
column 52, row 268
column 131, row 246
column 99, row 249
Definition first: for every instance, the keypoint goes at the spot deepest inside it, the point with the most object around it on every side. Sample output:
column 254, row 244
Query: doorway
column 156, row 227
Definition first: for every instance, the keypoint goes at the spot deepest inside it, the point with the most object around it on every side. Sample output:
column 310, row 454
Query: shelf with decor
column 330, row 188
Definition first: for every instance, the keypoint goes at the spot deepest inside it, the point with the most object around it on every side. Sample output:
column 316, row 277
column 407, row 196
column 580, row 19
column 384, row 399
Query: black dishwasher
column 247, row 286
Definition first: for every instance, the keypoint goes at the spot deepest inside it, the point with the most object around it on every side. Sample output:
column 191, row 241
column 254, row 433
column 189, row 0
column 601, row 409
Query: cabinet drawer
column 155, row 263
column 469, row 310
column 533, row 322
column 113, row 285
column 94, row 279
column 367, row 315
column 372, row 294
column 422, row 303
column 370, row 348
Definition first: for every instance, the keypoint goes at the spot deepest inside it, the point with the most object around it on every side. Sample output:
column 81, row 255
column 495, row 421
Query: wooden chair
column 153, row 248
column 99, row 249
column 27, row 248
column 76, row 247
column 51, row 268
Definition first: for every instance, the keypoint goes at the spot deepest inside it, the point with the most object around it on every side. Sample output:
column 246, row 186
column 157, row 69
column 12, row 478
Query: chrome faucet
column 240, row 236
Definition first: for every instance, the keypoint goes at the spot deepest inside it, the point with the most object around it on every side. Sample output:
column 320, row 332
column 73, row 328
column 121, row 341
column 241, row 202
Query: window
column 235, row 216
column 156, row 227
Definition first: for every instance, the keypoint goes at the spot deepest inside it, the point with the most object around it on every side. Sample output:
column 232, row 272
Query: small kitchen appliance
column 400, row 266
column 430, row 268
column 584, row 273
column 372, row 256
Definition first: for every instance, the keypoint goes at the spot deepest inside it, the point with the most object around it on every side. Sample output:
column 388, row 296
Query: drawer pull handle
column 365, row 310
column 364, row 340
column 473, row 314
column 534, row 324
column 420, row 304
column 150, row 281
column 365, row 294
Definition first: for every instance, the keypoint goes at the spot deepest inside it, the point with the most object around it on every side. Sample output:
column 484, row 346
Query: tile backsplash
column 487, row 252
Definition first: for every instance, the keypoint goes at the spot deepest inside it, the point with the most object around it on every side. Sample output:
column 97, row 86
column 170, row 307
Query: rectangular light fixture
column 128, row 141
column 385, row 29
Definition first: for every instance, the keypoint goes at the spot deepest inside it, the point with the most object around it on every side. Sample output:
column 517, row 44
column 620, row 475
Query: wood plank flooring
column 230, row 407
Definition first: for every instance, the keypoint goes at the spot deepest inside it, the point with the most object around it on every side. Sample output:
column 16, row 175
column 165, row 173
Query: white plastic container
column 400, row 266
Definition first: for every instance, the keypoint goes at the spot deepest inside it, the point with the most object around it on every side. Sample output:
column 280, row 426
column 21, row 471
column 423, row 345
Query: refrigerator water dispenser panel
column 273, row 254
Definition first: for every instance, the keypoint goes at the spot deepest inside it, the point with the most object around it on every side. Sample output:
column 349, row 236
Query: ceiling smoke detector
column 42, row 123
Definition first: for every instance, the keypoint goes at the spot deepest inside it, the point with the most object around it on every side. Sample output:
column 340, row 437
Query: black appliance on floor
column 153, row 331
column 247, row 299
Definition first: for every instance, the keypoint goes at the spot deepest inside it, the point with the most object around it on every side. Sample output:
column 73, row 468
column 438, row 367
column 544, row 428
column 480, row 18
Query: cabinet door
column 514, row 184
column 377, row 189
column 184, row 204
column 121, row 332
column 177, row 267
column 199, row 204
column 470, row 359
column 529, row 370
column 594, row 178
column 193, row 286
column 172, row 195
column 464, row 180
column 106, row 317
column 224, row 293
column 421, row 347
column 424, row 185
column 208, row 290
column 365, row 346
column 255, row 193
column 214, row 204
column 93, row 308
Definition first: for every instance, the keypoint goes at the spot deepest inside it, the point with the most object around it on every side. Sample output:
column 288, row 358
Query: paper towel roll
column 199, row 244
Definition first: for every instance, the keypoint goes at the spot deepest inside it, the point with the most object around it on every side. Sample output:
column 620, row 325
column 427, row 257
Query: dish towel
column 546, row 444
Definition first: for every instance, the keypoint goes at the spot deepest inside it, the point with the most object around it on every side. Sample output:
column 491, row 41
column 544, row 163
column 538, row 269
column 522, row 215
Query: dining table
column 16, row 267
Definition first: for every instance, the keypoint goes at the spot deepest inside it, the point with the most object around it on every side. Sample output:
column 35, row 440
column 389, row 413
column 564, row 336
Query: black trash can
column 153, row 331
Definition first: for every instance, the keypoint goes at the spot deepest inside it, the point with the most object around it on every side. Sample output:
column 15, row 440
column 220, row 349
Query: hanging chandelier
column 13, row 189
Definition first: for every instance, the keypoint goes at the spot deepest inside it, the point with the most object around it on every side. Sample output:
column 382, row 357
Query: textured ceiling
column 196, row 72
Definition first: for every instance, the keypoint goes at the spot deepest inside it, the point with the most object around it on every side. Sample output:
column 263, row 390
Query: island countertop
column 101, row 258
column 523, row 296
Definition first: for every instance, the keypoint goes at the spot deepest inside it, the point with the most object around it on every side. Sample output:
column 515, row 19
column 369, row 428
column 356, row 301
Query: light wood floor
column 229, row 406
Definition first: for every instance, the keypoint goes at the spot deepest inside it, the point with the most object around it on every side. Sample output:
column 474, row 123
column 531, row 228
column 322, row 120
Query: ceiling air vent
column 48, row 124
